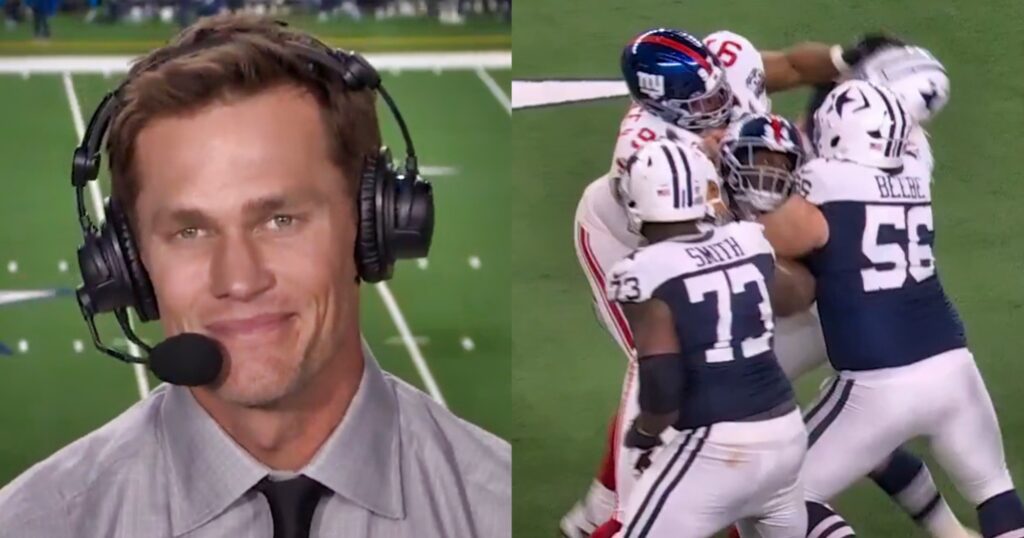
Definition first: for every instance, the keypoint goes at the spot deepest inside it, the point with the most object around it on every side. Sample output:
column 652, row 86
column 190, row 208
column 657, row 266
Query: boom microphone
column 187, row 359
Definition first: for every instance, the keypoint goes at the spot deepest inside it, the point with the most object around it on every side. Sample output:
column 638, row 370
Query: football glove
column 643, row 445
column 635, row 438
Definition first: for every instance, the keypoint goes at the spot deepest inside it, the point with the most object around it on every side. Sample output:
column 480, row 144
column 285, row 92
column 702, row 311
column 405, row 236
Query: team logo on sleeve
column 652, row 85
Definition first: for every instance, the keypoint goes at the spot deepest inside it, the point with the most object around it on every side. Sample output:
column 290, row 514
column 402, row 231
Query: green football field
column 567, row 372
column 455, row 302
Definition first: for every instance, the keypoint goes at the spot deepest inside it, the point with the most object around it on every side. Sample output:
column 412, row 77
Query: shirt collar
column 704, row 232
column 361, row 460
column 209, row 471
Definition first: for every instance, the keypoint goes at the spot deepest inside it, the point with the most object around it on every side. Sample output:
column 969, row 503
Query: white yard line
column 398, row 341
column 434, row 171
column 496, row 90
column 141, row 378
column 535, row 93
column 410, row 342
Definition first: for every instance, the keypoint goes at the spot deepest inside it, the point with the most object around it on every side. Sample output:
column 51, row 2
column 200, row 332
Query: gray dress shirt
column 398, row 465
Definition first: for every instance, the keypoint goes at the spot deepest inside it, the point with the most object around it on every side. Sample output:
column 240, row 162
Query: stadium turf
column 567, row 372
column 456, row 304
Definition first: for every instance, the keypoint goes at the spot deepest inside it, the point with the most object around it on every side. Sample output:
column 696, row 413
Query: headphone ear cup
column 101, row 289
column 373, row 257
column 106, row 286
column 414, row 215
column 143, row 299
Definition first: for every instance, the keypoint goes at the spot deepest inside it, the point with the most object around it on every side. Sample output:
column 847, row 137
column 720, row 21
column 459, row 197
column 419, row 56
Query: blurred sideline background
column 441, row 324
column 39, row 26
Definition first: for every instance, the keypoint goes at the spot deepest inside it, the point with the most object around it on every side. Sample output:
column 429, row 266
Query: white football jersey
column 605, row 219
column 635, row 278
column 826, row 180
column 744, row 69
column 639, row 127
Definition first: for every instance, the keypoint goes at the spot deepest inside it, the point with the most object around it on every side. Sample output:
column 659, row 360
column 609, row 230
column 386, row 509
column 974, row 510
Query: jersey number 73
column 721, row 287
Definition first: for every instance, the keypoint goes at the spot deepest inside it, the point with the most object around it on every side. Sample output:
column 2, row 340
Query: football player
column 694, row 94
column 759, row 157
column 920, row 80
column 864, row 225
column 697, row 301
column 601, row 235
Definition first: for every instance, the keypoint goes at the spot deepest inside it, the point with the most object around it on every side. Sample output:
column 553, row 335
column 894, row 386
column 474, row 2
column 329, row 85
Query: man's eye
column 280, row 222
column 187, row 233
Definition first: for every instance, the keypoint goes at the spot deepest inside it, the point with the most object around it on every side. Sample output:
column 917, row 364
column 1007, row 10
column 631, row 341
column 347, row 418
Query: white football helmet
column 862, row 123
column 667, row 181
column 911, row 73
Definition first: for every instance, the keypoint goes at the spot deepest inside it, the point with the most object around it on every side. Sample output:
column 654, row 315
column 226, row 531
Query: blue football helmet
column 756, row 182
column 674, row 76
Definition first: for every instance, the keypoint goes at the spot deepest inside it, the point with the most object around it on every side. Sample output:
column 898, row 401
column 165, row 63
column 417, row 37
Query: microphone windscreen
column 187, row 359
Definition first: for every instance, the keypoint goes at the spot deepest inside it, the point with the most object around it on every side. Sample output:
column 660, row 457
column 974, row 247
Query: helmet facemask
column 673, row 75
column 760, row 176
column 707, row 111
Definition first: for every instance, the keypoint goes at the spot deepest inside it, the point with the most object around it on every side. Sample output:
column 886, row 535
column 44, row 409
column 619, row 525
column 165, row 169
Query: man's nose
column 238, row 270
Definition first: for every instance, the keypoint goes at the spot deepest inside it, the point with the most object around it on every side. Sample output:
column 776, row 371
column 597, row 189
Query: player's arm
column 803, row 64
column 661, row 374
column 796, row 228
column 792, row 288
column 812, row 63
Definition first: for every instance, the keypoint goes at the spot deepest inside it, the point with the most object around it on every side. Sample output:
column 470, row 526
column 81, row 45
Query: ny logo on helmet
column 652, row 85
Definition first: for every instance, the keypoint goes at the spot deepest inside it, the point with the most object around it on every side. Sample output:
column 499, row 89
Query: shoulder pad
column 635, row 278
column 812, row 180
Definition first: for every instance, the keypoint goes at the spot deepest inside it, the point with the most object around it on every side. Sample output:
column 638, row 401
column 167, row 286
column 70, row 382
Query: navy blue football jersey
column 716, row 287
column 879, row 296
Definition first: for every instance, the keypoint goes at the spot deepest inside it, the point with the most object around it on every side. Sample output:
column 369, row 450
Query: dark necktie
column 292, row 504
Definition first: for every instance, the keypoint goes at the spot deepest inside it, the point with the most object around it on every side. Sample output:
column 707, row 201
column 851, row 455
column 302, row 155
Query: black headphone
column 395, row 207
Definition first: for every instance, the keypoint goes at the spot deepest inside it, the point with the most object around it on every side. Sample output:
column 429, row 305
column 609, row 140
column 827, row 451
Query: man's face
column 768, row 159
column 247, row 231
column 772, row 159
